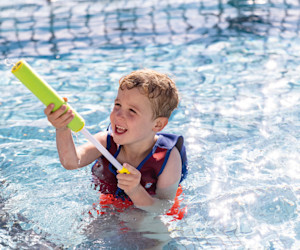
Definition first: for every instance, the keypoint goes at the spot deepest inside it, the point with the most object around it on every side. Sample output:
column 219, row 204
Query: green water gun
column 44, row 92
column 47, row 95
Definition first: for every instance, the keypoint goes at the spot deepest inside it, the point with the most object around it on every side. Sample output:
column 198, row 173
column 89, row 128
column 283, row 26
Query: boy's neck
column 135, row 154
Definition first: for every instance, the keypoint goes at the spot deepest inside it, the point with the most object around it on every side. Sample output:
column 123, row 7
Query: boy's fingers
column 127, row 166
column 68, row 117
column 59, row 112
column 134, row 173
column 49, row 108
column 130, row 168
column 64, row 120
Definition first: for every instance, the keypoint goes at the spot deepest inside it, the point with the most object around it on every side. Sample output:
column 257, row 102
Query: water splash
column 9, row 62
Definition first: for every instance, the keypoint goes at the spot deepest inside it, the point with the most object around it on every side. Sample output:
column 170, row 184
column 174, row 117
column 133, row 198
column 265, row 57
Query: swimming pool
column 236, row 64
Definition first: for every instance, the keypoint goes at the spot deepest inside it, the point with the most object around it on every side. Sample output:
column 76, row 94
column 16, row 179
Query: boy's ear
column 160, row 123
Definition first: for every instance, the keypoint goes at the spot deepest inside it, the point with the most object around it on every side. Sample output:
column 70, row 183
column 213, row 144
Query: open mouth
column 120, row 130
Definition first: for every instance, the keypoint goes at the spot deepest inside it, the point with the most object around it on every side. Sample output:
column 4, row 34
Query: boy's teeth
column 120, row 129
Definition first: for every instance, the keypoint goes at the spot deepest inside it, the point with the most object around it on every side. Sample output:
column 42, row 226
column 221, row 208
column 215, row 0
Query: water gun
column 47, row 95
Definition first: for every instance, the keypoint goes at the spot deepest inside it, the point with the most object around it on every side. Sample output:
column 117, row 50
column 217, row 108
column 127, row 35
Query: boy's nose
column 119, row 113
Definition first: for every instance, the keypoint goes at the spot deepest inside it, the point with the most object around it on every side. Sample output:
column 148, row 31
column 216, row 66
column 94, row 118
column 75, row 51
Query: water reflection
column 132, row 228
column 125, row 24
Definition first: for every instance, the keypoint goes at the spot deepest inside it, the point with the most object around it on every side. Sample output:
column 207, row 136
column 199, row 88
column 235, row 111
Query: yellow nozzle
column 124, row 171
column 17, row 66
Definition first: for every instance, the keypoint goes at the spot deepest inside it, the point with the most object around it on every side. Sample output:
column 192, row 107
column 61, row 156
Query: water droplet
column 8, row 62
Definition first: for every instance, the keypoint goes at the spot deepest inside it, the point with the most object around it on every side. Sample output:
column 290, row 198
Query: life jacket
column 114, row 199
column 104, row 174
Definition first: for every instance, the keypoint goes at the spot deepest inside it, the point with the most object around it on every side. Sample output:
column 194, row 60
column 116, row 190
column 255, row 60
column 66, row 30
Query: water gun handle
column 44, row 92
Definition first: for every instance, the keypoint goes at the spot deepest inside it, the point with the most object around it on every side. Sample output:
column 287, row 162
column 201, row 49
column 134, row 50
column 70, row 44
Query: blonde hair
column 159, row 88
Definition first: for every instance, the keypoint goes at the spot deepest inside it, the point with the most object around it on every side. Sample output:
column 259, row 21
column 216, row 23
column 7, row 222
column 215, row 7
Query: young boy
column 156, row 161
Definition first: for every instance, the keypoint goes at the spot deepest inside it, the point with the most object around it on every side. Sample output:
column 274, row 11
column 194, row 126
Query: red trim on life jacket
column 110, row 201
column 175, row 211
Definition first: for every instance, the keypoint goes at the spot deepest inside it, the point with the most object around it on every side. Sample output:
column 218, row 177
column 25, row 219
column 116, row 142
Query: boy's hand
column 129, row 182
column 59, row 118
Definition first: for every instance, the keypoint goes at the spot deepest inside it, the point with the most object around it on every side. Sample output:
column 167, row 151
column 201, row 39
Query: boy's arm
column 70, row 157
column 165, row 190
column 66, row 149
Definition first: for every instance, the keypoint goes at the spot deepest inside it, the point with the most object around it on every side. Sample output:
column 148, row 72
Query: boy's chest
column 132, row 159
column 133, row 162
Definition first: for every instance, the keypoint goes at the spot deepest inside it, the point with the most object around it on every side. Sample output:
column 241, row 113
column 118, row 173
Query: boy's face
column 132, row 117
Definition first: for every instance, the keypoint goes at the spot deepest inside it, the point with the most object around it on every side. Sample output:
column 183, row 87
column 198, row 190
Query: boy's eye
column 132, row 111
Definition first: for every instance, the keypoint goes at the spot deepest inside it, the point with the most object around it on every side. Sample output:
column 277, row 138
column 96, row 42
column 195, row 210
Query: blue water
column 236, row 64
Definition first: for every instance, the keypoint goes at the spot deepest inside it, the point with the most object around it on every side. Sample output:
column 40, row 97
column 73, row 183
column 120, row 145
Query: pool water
column 236, row 64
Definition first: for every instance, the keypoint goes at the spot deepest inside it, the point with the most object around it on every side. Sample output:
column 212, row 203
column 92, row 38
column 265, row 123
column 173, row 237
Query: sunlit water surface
column 236, row 65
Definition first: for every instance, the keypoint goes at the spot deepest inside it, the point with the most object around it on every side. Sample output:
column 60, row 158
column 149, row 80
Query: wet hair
column 159, row 88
